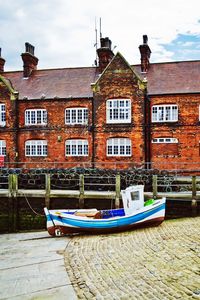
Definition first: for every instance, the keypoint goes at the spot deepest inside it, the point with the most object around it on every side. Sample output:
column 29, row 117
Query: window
column 36, row 117
column 118, row 111
column 165, row 140
column 3, row 147
column 76, row 116
column 164, row 113
column 76, row 148
column 119, row 147
column 36, row 148
column 2, row 115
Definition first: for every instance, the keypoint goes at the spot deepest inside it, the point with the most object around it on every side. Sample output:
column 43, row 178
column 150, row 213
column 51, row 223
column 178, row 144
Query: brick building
column 107, row 116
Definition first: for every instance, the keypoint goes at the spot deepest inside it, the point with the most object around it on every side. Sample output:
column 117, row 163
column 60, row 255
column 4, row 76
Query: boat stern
column 51, row 228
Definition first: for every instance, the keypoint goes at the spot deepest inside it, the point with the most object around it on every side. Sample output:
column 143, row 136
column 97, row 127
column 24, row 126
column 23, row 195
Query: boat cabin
column 133, row 198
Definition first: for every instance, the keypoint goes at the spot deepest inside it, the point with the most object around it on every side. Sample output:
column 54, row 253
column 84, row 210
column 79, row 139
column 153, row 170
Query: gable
column 6, row 89
column 119, row 73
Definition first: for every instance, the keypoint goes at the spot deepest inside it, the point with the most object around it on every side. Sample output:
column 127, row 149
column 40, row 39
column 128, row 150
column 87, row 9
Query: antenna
column 100, row 28
column 95, row 34
column 96, row 43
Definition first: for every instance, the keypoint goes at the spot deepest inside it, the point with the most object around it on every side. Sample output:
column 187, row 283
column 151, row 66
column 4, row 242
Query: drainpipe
column 147, row 130
column 16, row 129
column 93, row 134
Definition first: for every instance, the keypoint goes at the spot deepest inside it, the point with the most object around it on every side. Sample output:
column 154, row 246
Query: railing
column 87, row 186
column 176, row 186
column 81, row 193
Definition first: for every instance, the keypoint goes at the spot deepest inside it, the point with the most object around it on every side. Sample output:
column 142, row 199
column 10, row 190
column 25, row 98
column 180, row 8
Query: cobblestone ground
column 154, row 263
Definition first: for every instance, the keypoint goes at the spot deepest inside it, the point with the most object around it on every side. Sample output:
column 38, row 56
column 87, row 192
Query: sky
column 63, row 31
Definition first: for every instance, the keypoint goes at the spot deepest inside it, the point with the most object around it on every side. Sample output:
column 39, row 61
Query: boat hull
column 64, row 230
column 62, row 223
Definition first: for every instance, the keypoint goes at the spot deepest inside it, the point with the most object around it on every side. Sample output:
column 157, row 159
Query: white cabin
column 133, row 198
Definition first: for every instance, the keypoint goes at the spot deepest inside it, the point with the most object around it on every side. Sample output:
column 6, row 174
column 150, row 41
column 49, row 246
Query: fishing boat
column 135, row 213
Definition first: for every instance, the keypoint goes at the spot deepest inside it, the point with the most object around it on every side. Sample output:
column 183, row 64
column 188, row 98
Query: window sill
column 119, row 124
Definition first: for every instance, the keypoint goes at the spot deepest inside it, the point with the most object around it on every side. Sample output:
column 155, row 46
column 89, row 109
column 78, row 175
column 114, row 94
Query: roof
column 163, row 78
column 54, row 83
column 173, row 77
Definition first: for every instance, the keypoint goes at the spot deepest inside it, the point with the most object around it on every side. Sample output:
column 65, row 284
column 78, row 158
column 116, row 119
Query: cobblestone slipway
column 154, row 263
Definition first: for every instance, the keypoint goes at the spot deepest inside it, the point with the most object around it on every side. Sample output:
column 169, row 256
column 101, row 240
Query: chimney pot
column 145, row 39
column 105, row 53
column 29, row 59
column 29, row 48
column 106, row 43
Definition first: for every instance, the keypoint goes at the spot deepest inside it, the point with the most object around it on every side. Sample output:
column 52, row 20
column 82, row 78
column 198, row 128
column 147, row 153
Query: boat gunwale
column 159, row 202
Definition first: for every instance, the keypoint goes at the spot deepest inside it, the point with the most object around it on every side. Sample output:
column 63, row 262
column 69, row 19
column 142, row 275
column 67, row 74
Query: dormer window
column 2, row 115
column 36, row 117
column 118, row 111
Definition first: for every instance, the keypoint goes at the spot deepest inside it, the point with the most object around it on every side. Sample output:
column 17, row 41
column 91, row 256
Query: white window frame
column 118, row 111
column 76, row 115
column 3, row 147
column 2, row 114
column 76, row 147
column 165, row 113
column 36, row 148
column 35, row 117
column 164, row 140
column 119, row 147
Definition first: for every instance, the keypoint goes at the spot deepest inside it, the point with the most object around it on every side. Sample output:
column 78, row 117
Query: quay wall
column 23, row 195
column 20, row 215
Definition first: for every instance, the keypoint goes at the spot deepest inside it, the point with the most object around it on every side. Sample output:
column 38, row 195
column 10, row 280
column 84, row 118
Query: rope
column 31, row 207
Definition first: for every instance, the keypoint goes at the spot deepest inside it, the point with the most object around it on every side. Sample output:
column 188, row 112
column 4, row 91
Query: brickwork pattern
column 152, row 263
column 185, row 130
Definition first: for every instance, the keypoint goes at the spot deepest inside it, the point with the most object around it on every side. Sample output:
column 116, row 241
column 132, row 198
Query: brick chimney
column 105, row 53
column 2, row 63
column 145, row 54
column 29, row 60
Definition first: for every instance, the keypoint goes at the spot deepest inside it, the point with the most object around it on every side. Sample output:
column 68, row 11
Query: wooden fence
column 176, row 188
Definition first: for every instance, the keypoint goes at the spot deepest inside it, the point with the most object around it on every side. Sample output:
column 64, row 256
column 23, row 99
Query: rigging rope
column 31, row 206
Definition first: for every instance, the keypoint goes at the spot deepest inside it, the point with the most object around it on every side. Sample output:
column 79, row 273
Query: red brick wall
column 56, row 132
column 119, row 81
column 8, row 132
column 185, row 154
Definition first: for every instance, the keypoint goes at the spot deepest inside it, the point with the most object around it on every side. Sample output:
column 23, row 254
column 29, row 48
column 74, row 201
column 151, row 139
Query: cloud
column 63, row 31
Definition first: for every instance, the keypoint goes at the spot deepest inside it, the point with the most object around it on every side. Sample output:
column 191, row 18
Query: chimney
column 105, row 53
column 2, row 63
column 29, row 59
column 145, row 54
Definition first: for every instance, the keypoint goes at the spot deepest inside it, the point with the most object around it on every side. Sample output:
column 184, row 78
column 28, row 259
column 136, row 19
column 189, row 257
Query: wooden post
column 15, row 201
column 10, row 185
column 194, row 187
column 117, row 190
column 81, row 190
column 194, row 194
column 14, row 185
column 155, row 186
column 12, row 201
column 47, row 190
